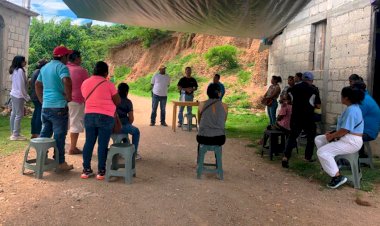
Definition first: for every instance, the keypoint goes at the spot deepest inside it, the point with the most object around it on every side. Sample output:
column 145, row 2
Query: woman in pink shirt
column 101, row 98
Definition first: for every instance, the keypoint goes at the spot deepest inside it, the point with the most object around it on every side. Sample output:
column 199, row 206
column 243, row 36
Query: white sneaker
column 138, row 157
column 17, row 138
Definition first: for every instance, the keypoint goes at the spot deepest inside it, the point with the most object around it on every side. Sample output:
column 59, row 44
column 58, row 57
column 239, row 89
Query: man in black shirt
column 186, row 86
column 302, row 117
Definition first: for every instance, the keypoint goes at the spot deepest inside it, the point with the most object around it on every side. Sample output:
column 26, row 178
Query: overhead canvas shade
column 241, row 18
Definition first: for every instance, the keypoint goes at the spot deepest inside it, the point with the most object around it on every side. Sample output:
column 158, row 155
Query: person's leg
column 320, row 141
column 16, row 115
column 155, row 100
column 105, row 125
column 47, row 125
column 135, row 132
column 163, row 109
column 91, row 135
column 76, row 114
column 272, row 112
column 310, row 130
column 180, row 114
column 189, row 98
column 290, row 144
column 36, row 124
column 60, row 119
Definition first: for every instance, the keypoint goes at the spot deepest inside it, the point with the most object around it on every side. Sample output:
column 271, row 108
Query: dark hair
column 290, row 77
column 16, row 64
column 277, row 78
column 299, row 75
column 360, row 85
column 41, row 63
column 101, row 69
column 217, row 75
column 75, row 55
column 355, row 77
column 123, row 89
column 355, row 95
column 57, row 58
column 213, row 91
column 187, row 68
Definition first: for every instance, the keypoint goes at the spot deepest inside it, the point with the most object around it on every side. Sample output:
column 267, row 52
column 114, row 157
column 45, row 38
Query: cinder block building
column 333, row 39
column 14, row 40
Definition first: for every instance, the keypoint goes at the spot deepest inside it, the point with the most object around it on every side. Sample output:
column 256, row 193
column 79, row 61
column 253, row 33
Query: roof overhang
column 239, row 18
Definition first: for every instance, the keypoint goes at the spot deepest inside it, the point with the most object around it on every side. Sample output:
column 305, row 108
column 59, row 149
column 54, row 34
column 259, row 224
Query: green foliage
column 120, row 74
column 249, row 126
column 225, row 56
column 244, row 76
column 238, row 100
column 6, row 146
column 142, row 84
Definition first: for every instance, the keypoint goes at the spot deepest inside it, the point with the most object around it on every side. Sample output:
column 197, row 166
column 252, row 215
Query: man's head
column 123, row 90
column 354, row 78
column 216, row 78
column 61, row 53
column 188, row 71
column 101, row 69
column 213, row 91
column 162, row 69
column 291, row 81
column 308, row 77
column 41, row 63
column 298, row 77
column 75, row 57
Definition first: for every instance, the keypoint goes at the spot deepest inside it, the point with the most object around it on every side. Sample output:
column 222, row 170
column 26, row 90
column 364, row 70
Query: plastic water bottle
column 183, row 93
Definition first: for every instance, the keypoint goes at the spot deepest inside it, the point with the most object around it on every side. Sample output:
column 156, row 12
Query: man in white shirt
column 160, row 84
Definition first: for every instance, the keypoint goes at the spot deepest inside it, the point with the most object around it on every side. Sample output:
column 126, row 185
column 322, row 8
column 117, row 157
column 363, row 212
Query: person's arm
column 39, row 90
column 116, row 99
column 23, row 85
column 131, row 117
column 336, row 135
column 225, row 106
column 67, row 84
column 276, row 92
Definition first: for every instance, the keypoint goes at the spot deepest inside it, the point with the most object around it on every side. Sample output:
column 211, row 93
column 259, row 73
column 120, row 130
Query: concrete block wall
column 15, row 37
column 347, row 49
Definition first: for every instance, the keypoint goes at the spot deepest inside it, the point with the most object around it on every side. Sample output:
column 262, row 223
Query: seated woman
column 213, row 115
column 346, row 139
column 125, row 112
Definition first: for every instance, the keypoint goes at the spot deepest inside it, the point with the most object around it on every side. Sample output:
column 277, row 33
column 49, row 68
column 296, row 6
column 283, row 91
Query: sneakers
column 101, row 175
column 17, row 138
column 152, row 124
column 138, row 157
column 65, row 167
column 164, row 124
column 337, row 181
column 87, row 173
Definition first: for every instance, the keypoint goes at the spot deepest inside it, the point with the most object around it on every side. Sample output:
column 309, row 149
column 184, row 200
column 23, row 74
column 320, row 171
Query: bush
column 225, row 56
column 243, row 76
column 120, row 74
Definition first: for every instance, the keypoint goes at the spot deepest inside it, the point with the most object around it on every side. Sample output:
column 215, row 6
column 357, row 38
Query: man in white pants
column 76, row 107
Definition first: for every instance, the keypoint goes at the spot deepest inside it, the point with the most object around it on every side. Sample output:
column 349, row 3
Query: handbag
column 267, row 102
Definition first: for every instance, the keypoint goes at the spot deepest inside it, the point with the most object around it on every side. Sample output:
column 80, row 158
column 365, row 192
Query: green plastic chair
column 189, row 125
column 120, row 138
column 41, row 163
column 205, row 167
column 368, row 160
column 356, row 175
column 126, row 170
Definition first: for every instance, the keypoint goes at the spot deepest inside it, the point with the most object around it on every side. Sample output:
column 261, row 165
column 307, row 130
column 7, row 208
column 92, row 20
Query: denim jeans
column 134, row 131
column 16, row 115
column 272, row 112
column 189, row 108
column 55, row 120
column 97, row 126
column 36, row 119
column 155, row 100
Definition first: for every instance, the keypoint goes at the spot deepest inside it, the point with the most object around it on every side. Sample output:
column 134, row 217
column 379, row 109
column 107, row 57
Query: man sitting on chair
column 212, row 118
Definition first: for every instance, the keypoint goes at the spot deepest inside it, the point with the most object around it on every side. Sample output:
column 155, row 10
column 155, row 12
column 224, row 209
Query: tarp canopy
column 240, row 18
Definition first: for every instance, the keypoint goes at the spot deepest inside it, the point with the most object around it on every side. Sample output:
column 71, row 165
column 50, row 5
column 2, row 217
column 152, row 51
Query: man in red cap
column 53, row 89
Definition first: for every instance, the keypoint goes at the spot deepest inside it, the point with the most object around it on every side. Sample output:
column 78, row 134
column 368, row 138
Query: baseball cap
column 162, row 67
column 308, row 76
column 60, row 51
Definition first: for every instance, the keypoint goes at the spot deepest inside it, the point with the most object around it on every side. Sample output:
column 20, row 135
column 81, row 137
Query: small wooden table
column 181, row 103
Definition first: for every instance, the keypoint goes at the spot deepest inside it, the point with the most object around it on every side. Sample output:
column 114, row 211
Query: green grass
column 244, row 76
column 6, row 146
column 247, row 126
column 120, row 74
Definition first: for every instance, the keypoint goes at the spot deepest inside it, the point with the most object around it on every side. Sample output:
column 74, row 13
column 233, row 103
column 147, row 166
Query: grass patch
column 244, row 77
column 120, row 74
column 238, row 100
column 249, row 126
column 6, row 146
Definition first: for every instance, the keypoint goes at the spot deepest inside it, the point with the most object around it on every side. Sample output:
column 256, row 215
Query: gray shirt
column 213, row 118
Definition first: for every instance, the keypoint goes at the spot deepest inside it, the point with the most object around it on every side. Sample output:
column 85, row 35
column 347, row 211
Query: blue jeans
column 272, row 112
column 36, row 119
column 155, row 100
column 189, row 108
column 98, row 126
column 134, row 131
column 55, row 120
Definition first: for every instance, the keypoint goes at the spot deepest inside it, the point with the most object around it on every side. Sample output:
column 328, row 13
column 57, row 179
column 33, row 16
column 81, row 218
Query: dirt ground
column 166, row 191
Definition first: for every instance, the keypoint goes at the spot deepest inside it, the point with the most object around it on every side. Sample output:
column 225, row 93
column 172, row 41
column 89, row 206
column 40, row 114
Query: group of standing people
column 359, row 122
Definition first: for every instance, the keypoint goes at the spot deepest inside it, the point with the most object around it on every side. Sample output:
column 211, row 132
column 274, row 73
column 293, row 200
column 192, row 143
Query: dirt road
column 166, row 191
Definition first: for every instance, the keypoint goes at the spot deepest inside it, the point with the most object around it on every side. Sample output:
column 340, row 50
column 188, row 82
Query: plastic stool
column 368, row 160
column 201, row 166
column 356, row 175
column 120, row 138
column 41, row 163
column 189, row 125
column 127, row 151
column 273, row 134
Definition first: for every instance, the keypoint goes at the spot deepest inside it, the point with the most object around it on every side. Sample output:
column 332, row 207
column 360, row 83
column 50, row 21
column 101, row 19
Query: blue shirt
column 222, row 89
column 351, row 119
column 51, row 76
column 371, row 116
